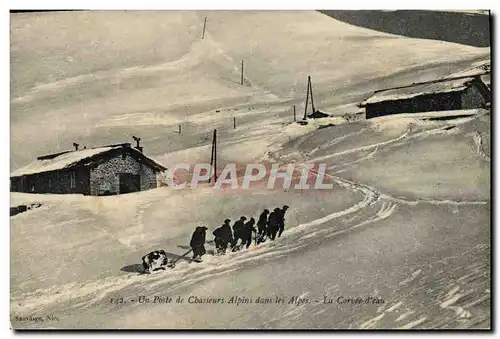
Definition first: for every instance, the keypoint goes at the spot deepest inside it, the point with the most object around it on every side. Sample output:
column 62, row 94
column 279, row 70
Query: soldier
column 272, row 224
column 262, row 226
column 246, row 232
column 237, row 229
column 198, row 242
column 281, row 220
column 223, row 237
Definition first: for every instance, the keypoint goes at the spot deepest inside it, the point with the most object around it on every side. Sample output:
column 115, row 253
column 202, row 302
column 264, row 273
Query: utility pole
column 307, row 100
column 311, row 89
column 211, row 161
column 204, row 27
column 242, row 72
column 213, row 158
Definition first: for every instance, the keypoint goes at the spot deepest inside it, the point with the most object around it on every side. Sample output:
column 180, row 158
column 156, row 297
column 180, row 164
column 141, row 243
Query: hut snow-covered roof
column 69, row 159
column 419, row 89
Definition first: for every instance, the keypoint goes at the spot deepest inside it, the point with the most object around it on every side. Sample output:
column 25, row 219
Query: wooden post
column 234, row 122
column 294, row 114
column 242, row 72
column 215, row 155
column 212, row 158
column 311, row 89
column 204, row 26
column 180, row 129
column 307, row 101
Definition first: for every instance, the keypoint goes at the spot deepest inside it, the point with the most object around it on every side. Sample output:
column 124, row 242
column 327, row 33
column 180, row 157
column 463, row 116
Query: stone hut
column 106, row 170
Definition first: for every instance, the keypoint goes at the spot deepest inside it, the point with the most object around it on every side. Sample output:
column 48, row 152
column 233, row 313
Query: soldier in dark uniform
column 281, row 220
column 223, row 237
column 246, row 233
column 198, row 242
column 272, row 224
column 237, row 232
column 262, row 226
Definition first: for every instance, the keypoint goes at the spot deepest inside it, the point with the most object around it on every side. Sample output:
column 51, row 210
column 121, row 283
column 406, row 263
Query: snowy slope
column 407, row 219
column 122, row 73
column 88, row 249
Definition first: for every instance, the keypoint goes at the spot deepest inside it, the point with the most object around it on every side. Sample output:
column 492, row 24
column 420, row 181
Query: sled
column 171, row 264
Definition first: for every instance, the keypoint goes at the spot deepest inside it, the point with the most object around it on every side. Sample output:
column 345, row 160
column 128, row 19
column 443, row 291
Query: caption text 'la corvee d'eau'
column 242, row 300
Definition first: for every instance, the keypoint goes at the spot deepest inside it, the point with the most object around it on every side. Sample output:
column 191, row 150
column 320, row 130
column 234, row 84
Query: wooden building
column 106, row 170
column 439, row 95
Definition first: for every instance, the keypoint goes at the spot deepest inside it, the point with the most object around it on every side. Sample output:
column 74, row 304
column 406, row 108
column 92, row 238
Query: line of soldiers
column 269, row 225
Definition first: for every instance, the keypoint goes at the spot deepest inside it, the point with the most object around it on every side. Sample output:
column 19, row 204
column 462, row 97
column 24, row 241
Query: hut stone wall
column 104, row 178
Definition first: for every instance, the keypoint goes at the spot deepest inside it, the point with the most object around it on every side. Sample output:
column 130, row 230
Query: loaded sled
column 157, row 260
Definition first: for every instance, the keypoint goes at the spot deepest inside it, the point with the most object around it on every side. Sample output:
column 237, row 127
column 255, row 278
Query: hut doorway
column 129, row 183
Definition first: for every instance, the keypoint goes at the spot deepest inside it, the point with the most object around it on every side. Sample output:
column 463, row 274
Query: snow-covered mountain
column 408, row 219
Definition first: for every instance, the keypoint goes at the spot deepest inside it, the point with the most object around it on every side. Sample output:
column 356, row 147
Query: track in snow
column 85, row 294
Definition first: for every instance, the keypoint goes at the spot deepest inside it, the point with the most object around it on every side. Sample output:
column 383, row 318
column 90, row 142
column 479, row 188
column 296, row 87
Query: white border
column 185, row 4
column 246, row 5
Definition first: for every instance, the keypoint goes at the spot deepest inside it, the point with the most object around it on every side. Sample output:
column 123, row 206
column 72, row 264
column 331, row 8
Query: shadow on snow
column 462, row 28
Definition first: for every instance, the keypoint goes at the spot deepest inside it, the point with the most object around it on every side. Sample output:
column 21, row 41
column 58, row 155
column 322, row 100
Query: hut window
column 72, row 180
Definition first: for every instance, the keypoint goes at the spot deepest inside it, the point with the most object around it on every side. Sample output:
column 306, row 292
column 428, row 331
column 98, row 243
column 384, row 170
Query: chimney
column 75, row 145
column 137, row 140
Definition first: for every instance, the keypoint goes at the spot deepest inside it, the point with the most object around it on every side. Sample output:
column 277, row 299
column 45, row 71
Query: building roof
column 486, row 78
column 69, row 159
column 418, row 89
